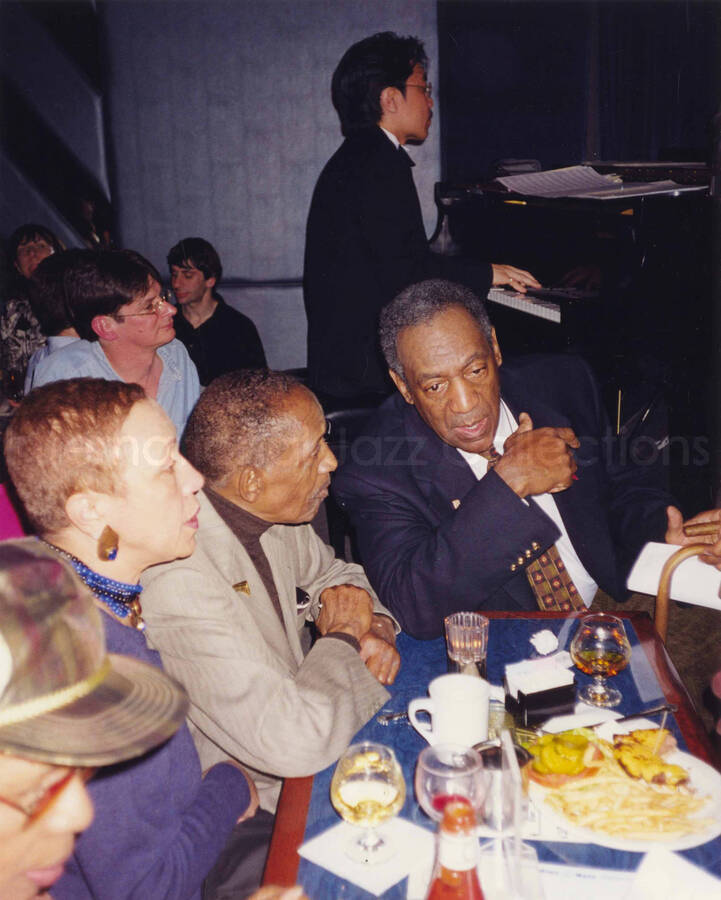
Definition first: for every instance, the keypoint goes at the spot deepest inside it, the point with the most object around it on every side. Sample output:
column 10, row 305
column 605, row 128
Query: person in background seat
column 218, row 338
column 120, row 311
column 48, row 299
column 20, row 331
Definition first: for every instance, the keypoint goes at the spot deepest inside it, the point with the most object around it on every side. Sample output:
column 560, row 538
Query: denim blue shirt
column 178, row 390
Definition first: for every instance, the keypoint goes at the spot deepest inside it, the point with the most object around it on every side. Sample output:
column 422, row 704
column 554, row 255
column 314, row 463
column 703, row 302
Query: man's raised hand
column 538, row 460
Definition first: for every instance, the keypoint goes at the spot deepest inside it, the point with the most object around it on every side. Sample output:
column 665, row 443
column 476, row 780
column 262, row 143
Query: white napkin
column 692, row 582
column 544, row 641
column 412, row 843
column 663, row 874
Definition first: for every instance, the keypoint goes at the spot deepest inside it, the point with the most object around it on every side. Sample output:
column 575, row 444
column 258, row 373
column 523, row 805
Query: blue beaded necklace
column 119, row 597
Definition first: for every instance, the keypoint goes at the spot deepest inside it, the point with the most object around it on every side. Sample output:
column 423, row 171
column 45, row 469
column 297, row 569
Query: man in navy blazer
column 365, row 238
column 437, row 530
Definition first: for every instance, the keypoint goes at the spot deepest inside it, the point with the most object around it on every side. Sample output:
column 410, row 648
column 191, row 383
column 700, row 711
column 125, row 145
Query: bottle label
column 458, row 853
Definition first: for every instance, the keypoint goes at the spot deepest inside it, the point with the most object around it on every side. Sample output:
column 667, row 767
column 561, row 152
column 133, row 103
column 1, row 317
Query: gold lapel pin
column 242, row 587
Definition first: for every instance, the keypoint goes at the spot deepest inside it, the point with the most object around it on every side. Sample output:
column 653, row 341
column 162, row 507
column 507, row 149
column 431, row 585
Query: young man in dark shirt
column 218, row 338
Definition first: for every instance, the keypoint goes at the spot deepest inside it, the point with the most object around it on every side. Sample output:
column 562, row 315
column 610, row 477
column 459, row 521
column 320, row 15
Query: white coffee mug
column 458, row 707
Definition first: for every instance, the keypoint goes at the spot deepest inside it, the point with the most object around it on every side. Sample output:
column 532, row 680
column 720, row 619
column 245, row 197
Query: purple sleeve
column 160, row 854
column 159, row 826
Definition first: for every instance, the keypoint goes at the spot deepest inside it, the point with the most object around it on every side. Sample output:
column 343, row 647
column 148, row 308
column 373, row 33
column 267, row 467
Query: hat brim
column 133, row 710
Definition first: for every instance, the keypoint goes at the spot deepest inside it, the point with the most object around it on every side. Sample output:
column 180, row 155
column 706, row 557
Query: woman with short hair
column 97, row 467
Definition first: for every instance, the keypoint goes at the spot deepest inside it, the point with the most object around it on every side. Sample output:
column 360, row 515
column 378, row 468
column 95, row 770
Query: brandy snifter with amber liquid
column 600, row 648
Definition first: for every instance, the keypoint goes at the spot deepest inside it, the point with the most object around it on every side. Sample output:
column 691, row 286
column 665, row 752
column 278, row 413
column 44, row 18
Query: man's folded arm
column 286, row 724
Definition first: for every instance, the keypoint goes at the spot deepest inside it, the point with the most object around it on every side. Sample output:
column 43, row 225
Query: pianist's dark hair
column 383, row 60
column 199, row 253
column 240, row 420
column 103, row 282
column 419, row 303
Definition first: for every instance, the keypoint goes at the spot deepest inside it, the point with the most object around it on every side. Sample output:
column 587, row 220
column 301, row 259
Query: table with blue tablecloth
column 649, row 678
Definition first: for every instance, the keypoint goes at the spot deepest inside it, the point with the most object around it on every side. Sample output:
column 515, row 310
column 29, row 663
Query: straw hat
column 63, row 699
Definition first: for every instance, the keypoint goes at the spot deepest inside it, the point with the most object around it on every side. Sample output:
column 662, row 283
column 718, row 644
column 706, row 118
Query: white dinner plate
column 704, row 779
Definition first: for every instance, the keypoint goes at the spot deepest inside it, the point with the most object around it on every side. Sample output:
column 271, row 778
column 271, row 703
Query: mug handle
column 424, row 704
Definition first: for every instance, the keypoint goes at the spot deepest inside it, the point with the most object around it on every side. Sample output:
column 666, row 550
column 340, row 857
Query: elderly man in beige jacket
column 230, row 621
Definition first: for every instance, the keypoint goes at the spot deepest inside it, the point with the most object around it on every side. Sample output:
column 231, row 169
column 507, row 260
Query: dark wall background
column 566, row 81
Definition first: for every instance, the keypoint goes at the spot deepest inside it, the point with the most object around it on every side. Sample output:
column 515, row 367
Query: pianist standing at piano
column 365, row 239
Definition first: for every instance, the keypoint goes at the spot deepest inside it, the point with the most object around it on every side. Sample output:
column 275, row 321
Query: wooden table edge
column 281, row 867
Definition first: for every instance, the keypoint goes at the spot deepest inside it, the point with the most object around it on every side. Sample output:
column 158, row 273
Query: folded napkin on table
column 412, row 844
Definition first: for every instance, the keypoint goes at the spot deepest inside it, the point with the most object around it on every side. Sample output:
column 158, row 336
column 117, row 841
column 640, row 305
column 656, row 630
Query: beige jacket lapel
column 237, row 567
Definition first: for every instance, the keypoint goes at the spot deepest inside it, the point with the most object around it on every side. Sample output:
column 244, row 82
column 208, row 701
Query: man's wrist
column 515, row 480
column 349, row 639
column 382, row 626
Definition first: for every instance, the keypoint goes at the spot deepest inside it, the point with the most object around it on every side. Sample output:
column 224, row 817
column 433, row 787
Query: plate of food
column 625, row 786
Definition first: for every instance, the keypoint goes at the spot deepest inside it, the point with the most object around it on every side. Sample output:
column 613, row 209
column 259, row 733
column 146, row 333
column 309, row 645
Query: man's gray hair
column 418, row 304
column 240, row 419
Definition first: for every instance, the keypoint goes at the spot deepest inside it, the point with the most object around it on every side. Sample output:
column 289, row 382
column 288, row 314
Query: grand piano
column 627, row 285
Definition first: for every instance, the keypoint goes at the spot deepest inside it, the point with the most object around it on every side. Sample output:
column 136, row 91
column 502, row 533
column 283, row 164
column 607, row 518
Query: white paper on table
column 588, row 883
column 583, row 716
column 412, row 843
column 663, row 874
column 692, row 582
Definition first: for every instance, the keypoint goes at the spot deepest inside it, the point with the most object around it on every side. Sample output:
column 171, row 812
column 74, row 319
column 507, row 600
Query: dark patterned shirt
column 20, row 337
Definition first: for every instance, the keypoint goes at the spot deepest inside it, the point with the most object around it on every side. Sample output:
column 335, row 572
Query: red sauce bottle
column 455, row 876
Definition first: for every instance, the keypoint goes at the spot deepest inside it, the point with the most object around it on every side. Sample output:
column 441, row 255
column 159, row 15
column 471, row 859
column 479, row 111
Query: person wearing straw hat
column 97, row 466
column 66, row 707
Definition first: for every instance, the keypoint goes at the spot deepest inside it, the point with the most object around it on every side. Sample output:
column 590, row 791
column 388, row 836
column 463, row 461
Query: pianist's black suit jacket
column 426, row 558
column 365, row 241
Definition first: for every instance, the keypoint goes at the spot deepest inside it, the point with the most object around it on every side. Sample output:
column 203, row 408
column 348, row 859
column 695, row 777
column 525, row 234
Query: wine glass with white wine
column 600, row 648
column 368, row 789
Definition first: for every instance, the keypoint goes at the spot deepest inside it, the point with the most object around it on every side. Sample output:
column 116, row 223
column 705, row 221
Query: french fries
column 616, row 804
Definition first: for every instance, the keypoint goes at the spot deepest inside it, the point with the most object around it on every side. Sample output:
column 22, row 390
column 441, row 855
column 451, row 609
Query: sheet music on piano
column 584, row 181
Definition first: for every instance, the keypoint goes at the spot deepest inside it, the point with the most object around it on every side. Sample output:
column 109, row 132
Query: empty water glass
column 467, row 643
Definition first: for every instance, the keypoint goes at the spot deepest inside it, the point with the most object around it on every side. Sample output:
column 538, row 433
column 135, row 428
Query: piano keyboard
column 535, row 306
